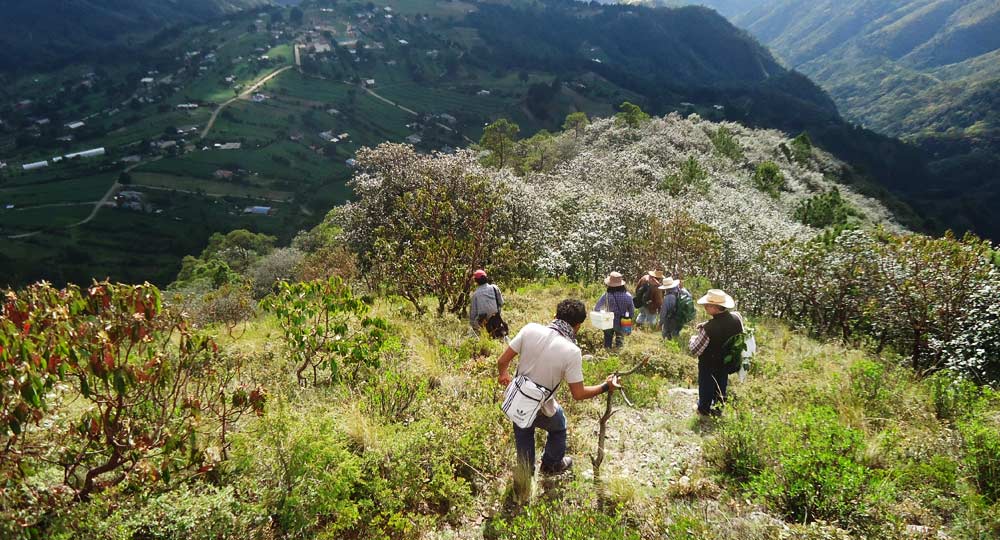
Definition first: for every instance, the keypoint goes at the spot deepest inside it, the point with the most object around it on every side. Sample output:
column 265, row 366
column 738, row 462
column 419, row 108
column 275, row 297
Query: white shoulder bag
column 522, row 400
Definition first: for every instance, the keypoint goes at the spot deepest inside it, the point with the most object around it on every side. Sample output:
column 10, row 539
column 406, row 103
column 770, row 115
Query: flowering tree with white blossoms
column 424, row 223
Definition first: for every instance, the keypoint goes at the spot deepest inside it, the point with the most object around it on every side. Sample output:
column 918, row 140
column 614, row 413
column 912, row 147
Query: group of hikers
column 548, row 355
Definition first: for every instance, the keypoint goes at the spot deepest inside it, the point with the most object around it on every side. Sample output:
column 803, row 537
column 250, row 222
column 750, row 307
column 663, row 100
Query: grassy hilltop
column 329, row 389
column 821, row 441
column 300, row 90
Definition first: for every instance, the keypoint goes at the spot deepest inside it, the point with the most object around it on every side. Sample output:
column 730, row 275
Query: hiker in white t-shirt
column 548, row 356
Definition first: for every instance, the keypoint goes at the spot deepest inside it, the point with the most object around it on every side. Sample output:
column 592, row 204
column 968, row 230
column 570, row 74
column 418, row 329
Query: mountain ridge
column 42, row 32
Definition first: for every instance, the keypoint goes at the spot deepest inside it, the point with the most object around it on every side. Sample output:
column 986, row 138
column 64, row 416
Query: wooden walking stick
column 608, row 413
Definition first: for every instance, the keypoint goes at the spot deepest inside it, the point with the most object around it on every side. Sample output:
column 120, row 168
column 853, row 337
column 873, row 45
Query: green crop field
column 90, row 188
column 292, row 84
column 283, row 157
column 34, row 219
column 208, row 187
column 436, row 100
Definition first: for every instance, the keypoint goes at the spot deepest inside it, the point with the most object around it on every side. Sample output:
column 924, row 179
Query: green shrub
column 196, row 512
column 691, row 176
column 738, row 446
column 302, row 471
column 816, row 473
column 769, row 179
column 801, row 148
column 871, row 387
column 559, row 520
column 981, row 438
column 411, row 481
column 394, row 395
column 939, row 473
column 726, row 144
column 825, row 210
column 978, row 519
column 631, row 114
column 954, row 396
column 325, row 326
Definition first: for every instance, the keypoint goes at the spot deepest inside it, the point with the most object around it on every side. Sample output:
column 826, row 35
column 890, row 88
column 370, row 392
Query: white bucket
column 602, row 320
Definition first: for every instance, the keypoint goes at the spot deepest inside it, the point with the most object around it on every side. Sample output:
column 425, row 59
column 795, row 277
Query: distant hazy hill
column 38, row 32
column 924, row 70
column 678, row 57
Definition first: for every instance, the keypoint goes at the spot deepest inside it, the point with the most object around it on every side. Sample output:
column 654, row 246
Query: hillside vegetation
column 431, row 73
column 350, row 401
column 44, row 32
column 924, row 71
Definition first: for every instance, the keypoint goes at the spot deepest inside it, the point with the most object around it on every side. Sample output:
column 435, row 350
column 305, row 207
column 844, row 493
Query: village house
column 75, row 125
column 35, row 166
column 131, row 200
column 413, row 139
column 228, row 146
column 93, row 152
column 259, row 210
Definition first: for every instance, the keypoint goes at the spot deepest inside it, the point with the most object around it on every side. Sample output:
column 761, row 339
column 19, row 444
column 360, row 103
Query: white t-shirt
column 547, row 358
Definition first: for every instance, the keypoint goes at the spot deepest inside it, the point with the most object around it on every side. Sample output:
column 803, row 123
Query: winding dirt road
column 243, row 95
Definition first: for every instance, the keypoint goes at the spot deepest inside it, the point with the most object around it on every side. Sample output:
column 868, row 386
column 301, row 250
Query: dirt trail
column 652, row 447
column 243, row 95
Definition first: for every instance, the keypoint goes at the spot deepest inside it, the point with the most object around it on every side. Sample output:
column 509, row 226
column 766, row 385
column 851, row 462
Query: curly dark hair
column 571, row 311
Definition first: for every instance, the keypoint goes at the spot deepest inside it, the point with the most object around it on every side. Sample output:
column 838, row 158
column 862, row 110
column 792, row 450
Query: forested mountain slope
column 433, row 74
column 38, row 32
column 923, row 70
column 328, row 408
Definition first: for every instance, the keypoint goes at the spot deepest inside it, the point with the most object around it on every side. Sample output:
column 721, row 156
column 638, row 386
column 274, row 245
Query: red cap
column 479, row 274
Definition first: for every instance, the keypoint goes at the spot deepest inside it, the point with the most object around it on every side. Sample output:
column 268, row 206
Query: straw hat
column 669, row 283
column 614, row 279
column 716, row 297
column 658, row 274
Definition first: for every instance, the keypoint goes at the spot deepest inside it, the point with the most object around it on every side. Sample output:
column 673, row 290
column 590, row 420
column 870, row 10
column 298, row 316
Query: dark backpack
column 495, row 326
column 684, row 309
column 641, row 296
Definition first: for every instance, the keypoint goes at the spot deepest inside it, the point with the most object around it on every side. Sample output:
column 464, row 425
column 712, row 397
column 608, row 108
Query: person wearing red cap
column 486, row 302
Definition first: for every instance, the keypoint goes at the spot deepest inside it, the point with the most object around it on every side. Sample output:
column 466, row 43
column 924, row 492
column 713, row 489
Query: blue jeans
column 555, row 443
column 647, row 316
column 669, row 329
column 711, row 389
column 615, row 334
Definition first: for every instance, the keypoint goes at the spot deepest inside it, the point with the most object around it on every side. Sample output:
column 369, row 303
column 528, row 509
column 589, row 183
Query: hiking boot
column 563, row 466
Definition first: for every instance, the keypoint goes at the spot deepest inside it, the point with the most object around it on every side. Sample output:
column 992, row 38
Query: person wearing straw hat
column 617, row 300
column 709, row 346
column 648, row 289
column 675, row 298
